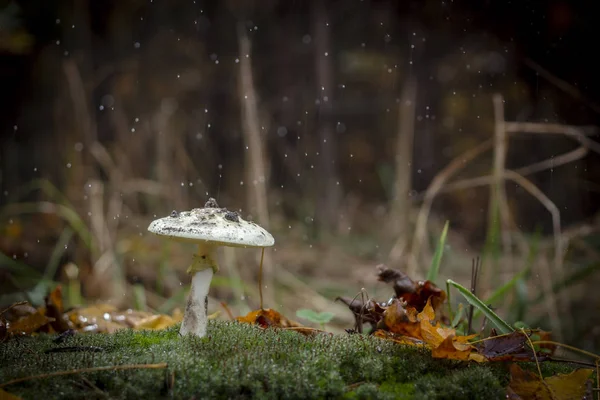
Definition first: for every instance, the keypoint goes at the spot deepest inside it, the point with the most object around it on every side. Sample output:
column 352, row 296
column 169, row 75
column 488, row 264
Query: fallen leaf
column 155, row 322
column 307, row 331
column 4, row 395
column 528, row 385
column 399, row 319
column 415, row 294
column 55, row 309
column 85, row 316
column 28, row 324
column 266, row 318
column 455, row 350
column 495, row 348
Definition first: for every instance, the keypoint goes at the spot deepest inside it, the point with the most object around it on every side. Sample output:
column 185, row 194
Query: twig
column 227, row 310
column 85, row 370
column 20, row 303
column 539, row 128
column 93, row 387
column 564, row 360
column 566, row 346
column 561, row 84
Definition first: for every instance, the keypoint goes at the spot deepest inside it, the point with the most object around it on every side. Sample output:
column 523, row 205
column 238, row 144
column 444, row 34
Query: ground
column 242, row 361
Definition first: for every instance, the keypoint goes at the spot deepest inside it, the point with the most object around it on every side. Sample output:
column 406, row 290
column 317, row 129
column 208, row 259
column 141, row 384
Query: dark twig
column 474, row 271
column 83, row 370
column 75, row 349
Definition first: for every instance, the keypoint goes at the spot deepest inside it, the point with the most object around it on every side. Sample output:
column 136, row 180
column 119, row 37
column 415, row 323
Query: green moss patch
column 242, row 361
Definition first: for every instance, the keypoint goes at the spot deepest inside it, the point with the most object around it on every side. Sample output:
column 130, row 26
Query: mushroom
column 209, row 227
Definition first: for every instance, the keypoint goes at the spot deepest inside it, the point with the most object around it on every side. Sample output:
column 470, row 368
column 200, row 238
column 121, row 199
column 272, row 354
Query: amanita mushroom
column 208, row 227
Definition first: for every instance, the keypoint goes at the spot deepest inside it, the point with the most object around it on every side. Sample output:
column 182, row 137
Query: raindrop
column 137, row 45
column 68, row 165
column 306, row 39
column 282, row 131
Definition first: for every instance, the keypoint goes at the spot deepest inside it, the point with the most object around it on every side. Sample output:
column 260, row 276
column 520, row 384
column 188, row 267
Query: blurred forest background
column 352, row 130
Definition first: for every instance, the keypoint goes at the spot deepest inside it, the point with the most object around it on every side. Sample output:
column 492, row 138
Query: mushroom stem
column 202, row 270
column 195, row 318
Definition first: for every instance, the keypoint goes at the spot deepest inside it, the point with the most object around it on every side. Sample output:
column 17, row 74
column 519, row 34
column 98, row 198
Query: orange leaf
column 29, row 324
column 55, row 309
column 529, row 386
column 454, row 350
column 155, row 322
column 4, row 395
column 267, row 318
column 400, row 320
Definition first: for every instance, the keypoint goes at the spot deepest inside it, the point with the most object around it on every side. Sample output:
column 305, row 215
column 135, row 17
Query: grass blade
column 480, row 305
column 432, row 275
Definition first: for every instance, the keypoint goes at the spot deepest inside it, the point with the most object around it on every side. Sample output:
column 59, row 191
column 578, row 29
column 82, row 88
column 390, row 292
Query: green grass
column 243, row 361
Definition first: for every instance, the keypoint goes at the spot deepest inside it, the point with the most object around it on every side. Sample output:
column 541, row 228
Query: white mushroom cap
column 212, row 225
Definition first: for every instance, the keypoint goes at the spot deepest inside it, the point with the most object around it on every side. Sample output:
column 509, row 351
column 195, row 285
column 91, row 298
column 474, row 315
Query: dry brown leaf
column 55, row 309
column 155, row 322
column 4, row 395
column 29, row 324
column 415, row 293
column 528, row 385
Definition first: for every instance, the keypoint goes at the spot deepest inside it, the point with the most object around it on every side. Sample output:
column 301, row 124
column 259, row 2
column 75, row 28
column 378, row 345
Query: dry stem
column 255, row 160
column 84, row 370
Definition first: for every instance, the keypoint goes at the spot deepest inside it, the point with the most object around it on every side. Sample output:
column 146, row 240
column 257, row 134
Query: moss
column 242, row 361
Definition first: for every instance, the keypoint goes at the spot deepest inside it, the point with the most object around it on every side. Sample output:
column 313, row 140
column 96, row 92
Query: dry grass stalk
column 577, row 133
column 328, row 190
column 543, row 165
column 561, row 84
column 308, row 296
column 438, row 182
column 558, row 270
column 498, row 190
column 401, row 204
column 550, row 302
column 255, row 160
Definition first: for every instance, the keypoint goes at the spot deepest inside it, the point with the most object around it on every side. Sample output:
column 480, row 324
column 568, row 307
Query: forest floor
column 242, row 361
